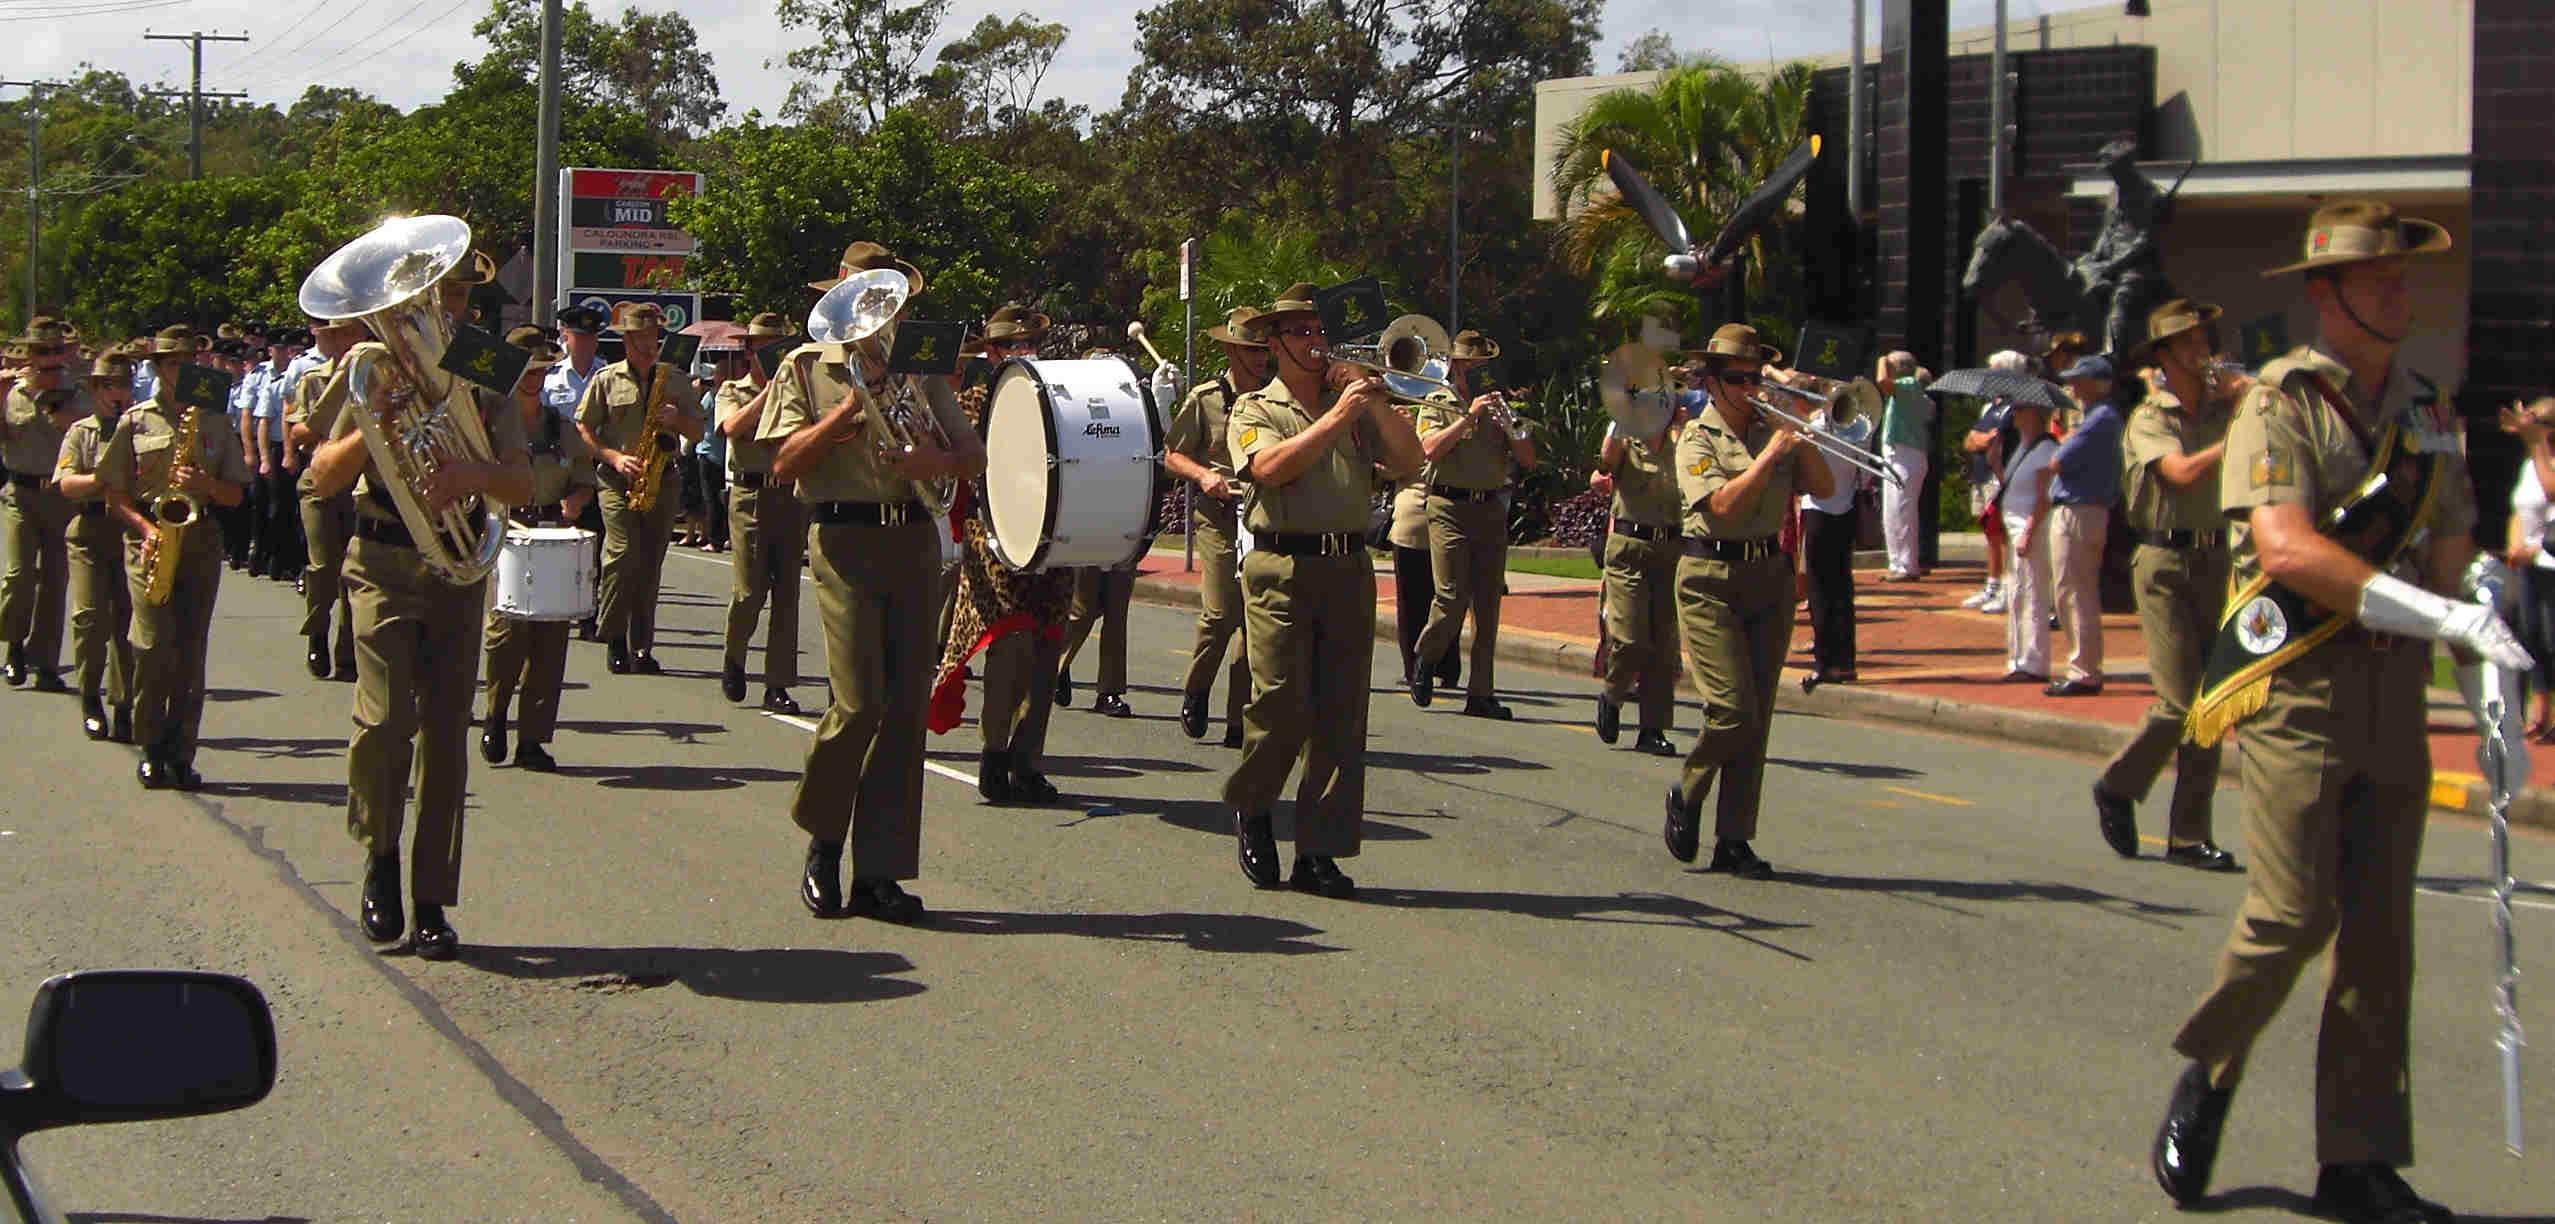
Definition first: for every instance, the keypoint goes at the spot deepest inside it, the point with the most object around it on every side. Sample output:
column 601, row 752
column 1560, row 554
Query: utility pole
column 196, row 95
column 1454, row 228
column 545, row 176
column 35, row 176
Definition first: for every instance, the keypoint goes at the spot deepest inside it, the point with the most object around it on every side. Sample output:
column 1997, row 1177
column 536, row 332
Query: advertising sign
column 607, row 270
column 618, row 243
column 682, row 310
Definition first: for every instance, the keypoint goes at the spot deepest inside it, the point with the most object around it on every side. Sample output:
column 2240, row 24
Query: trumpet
column 1818, row 432
column 1410, row 354
column 1503, row 416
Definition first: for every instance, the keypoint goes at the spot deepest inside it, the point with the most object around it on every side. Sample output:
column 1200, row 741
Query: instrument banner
column 204, row 388
column 679, row 350
column 2262, row 340
column 1352, row 310
column 927, row 347
column 1833, row 350
column 769, row 356
column 480, row 357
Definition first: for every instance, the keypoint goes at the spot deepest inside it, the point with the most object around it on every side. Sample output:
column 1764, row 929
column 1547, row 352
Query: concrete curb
column 2452, row 791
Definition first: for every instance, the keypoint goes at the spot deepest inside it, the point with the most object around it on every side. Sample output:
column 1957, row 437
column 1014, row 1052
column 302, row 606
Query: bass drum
column 1073, row 463
column 546, row 574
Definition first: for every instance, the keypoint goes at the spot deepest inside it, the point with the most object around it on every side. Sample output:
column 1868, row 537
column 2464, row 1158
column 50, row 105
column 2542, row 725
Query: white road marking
column 934, row 766
column 2515, row 902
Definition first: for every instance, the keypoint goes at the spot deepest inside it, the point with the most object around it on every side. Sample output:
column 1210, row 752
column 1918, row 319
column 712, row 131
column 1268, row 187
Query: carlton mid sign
column 624, row 211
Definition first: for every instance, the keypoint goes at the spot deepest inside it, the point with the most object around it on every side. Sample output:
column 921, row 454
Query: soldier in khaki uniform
column 1469, row 460
column 101, row 603
column 626, row 400
column 873, row 548
column 2170, row 459
column 769, row 528
column 2335, row 777
column 328, row 523
column 1195, row 451
column 417, row 640
column 1738, row 470
column 1643, row 544
column 527, row 653
column 141, row 470
column 36, row 517
column 1311, row 455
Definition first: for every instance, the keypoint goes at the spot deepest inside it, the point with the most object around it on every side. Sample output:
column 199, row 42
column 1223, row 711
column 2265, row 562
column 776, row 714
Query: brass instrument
column 1820, row 433
column 416, row 418
column 176, row 511
column 1410, row 354
column 859, row 308
column 650, row 451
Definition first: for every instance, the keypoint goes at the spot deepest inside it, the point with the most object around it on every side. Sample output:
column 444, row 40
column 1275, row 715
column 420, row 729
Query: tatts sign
column 624, row 211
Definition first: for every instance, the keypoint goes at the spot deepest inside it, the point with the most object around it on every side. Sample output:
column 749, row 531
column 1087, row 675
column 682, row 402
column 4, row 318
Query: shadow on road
column 676, row 777
column 1440, row 764
column 270, row 749
column 1199, row 932
column 331, row 794
column 1636, row 908
column 1847, row 769
column 754, row 975
column 230, row 694
column 1211, row 816
column 130, row 1217
column 2283, row 1199
column 1935, row 892
column 1115, row 767
column 679, row 732
column 2478, row 886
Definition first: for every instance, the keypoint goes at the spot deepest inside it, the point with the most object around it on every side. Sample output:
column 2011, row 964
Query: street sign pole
column 1188, row 378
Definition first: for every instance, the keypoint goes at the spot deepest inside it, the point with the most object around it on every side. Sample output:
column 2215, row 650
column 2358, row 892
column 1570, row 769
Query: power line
column 195, row 94
column 431, row 23
column 288, row 53
column 79, row 10
column 312, row 70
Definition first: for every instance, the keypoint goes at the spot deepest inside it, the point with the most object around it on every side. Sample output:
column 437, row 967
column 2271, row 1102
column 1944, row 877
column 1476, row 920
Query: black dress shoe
column 15, row 670
column 120, row 729
column 779, row 701
column 47, row 680
column 92, row 716
column 2372, row 1194
column 2019, row 676
column 154, row 775
column 2118, row 819
column 436, row 940
column 1488, row 707
column 1423, row 690
column 1113, row 706
column 1735, row 857
column 1320, row 875
column 2074, row 688
column 886, row 901
column 345, row 673
column 532, row 756
column 182, row 776
column 317, row 659
column 1655, row 743
column 993, row 775
column 1064, row 689
column 1031, row 786
column 382, row 919
column 1193, row 715
column 732, row 683
column 1450, row 670
column 1233, row 733
column 820, row 886
column 492, row 738
column 1609, row 720
column 1684, row 829
column 644, row 663
column 2202, row 856
column 1257, row 847
column 2187, row 1143
column 616, row 657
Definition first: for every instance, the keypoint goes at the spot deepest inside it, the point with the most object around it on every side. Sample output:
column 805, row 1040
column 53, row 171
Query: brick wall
column 2511, row 306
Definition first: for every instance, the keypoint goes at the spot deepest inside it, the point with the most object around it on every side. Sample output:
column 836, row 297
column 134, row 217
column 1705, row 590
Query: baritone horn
column 859, row 308
column 1820, row 431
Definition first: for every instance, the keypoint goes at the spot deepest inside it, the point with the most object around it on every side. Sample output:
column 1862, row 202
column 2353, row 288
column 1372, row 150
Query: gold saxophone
column 176, row 511
column 643, row 487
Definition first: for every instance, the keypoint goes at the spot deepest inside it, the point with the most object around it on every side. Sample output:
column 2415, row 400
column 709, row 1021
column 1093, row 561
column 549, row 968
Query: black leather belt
column 1631, row 530
column 2213, row 541
column 1310, row 543
column 1731, row 550
column 1456, row 494
column 754, row 480
column 383, row 531
column 2357, row 634
column 867, row 514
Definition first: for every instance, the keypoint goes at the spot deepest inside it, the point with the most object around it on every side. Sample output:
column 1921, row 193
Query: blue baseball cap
column 2087, row 367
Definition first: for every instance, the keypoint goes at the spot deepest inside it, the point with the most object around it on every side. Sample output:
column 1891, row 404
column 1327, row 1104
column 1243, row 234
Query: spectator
column 2024, row 502
column 1990, row 440
column 2526, row 551
column 2088, row 466
column 1827, row 549
column 1907, row 439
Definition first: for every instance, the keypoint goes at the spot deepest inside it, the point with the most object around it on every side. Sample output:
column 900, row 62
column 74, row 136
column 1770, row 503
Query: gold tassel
column 2211, row 721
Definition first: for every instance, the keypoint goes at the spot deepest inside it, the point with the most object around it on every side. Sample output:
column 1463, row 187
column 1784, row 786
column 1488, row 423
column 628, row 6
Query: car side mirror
column 131, row 1045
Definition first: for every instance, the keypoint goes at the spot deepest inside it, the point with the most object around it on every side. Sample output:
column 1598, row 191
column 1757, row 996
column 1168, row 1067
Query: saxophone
column 176, row 511
column 643, row 487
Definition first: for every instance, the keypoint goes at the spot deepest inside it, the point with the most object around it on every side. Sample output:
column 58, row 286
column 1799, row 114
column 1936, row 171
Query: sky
column 402, row 51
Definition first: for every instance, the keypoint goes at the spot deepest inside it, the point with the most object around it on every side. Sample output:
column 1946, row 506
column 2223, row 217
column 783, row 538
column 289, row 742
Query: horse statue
column 2008, row 251
column 2104, row 293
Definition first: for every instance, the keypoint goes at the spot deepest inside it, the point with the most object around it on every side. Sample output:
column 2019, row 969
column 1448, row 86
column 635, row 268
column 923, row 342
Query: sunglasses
column 1738, row 379
column 1313, row 332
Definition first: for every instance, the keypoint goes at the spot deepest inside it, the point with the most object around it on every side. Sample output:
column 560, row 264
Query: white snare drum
column 546, row 574
column 1073, row 469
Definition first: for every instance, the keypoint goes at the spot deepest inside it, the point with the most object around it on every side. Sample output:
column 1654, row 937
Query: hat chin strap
column 2344, row 300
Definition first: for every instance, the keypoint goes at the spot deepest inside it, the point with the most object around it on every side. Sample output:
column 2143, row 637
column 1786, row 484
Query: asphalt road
column 1953, row 1003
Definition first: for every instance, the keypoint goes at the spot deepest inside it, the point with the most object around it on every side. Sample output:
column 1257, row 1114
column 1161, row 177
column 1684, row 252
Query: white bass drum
column 1073, row 463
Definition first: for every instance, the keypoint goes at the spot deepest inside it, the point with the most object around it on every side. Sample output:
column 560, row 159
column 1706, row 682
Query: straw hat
column 1243, row 327
column 865, row 256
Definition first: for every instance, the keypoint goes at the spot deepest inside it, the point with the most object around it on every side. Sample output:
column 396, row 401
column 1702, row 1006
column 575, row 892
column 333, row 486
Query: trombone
column 1817, row 433
column 1410, row 354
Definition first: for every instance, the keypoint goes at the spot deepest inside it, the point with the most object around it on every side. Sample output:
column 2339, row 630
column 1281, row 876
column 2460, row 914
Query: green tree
column 990, row 77
column 159, row 252
column 860, row 59
column 650, row 64
column 1246, row 260
column 1652, row 52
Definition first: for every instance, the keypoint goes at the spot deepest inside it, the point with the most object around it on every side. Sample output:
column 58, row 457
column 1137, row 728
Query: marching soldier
column 1196, row 451
column 1311, row 458
column 2173, row 446
column 328, row 523
column 870, row 541
column 416, row 662
column 41, row 407
column 580, row 334
column 1470, row 456
column 1738, row 471
column 101, row 603
column 528, row 653
column 2313, row 672
column 1101, row 595
column 625, row 403
column 144, row 473
column 769, row 529
column 1644, row 540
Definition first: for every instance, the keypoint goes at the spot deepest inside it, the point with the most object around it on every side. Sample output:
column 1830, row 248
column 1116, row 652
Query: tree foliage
column 860, row 57
column 650, row 65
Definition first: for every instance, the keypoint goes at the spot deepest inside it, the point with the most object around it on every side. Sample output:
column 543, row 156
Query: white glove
column 2392, row 605
column 1167, row 387
column 2505, row 688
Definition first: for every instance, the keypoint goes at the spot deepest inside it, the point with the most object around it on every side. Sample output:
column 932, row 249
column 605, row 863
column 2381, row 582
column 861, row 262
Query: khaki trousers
column 1219, row 615
column 1101, row 596
column 2336, row 789
column 416, row 666
column 768, row 529
column 101, row 609
column 1736, row 621
column 1640, row 602
column 327, row 525
column 864, row 775
column 34, row 521
column 1311, row 637
column 1020, row 693
column 171, row 643
column 633, row 564
column 1468, row 554
column 532, row 655
column 2180, row 593
column 2076, row 555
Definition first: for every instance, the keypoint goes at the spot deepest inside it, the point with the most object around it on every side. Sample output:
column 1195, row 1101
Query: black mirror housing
column 133, row 1045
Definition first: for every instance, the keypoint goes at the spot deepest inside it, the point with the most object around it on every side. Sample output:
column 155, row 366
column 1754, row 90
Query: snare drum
column 546, row 574
column 1073, row 468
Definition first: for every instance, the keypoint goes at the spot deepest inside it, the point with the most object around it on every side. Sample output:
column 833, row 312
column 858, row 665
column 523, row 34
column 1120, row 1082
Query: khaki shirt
column 32, row 441
column 82, row 446
column 1710, row 455
column 814, row 379
column 1646, row 486
column 2157, row 428
column 501, row 421
column 2287, row 446
column 1480, row 460
column 615, row 407
column 749, row 455
column 1331, row 494
column 317, row 403
column 560, row 460
column 1198, row 432
column 141, row 453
